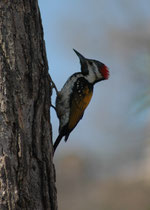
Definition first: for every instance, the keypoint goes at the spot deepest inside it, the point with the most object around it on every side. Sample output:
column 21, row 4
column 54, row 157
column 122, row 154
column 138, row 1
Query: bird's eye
column 91, row 63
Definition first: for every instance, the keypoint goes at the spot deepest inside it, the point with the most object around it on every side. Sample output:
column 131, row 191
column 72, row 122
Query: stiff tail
column 57, row 142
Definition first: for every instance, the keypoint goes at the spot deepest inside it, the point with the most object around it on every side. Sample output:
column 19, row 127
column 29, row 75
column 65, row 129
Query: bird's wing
column 80, row 98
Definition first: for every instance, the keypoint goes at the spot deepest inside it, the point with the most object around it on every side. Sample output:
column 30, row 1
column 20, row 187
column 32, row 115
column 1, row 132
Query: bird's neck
column 91, row 77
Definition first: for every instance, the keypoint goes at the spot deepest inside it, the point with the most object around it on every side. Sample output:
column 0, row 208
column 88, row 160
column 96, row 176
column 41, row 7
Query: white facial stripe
column 94, row 73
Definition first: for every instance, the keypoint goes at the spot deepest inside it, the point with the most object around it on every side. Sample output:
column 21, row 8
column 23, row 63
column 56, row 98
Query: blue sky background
column 118, row 34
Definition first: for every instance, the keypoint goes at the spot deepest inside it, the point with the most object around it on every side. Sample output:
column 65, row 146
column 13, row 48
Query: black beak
column 83, row 62
column 81, row 57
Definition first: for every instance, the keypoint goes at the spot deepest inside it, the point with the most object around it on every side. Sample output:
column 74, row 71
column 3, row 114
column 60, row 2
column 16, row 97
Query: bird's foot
column 54, row 107
column 53, row 85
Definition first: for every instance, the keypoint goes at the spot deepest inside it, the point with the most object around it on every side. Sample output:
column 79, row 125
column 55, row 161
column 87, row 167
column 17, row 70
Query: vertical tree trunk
column 26, row 167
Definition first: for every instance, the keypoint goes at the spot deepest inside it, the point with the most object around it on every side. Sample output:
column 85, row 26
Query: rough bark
column 26, row 167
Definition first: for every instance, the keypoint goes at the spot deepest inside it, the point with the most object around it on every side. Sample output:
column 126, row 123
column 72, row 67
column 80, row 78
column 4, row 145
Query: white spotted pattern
column 63, row 99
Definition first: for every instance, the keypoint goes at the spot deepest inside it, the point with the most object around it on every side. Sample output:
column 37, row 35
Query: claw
column 54, row 107
column 53, row 85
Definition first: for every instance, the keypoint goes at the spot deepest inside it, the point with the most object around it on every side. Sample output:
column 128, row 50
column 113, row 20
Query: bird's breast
column 80, row 98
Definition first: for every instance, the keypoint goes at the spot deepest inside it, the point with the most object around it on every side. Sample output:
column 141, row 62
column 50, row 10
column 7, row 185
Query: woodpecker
column 76, row 94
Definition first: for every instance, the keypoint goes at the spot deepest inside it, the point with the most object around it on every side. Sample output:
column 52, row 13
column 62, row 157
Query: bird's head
column 93, row 70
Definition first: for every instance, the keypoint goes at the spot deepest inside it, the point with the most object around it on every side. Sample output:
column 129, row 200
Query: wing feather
column 79, row 101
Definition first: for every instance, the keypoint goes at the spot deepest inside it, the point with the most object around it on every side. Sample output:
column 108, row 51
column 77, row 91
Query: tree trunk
column 26, row 153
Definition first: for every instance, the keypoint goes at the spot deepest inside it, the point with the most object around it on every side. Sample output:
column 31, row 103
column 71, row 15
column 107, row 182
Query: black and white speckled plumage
column 92, row 71
column 63, row 100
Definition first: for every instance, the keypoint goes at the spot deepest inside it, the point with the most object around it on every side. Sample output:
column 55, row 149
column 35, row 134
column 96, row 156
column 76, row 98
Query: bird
column 76, row 94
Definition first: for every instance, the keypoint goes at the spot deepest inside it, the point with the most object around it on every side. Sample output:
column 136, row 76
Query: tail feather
column 66, row 136
column 57, row 142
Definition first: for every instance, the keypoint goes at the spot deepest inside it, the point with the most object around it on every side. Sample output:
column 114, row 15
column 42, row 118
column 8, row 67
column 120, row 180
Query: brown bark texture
column 26, row 155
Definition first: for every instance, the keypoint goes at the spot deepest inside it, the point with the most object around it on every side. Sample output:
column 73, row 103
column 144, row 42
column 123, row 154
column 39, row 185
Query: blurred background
column 106, row 162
